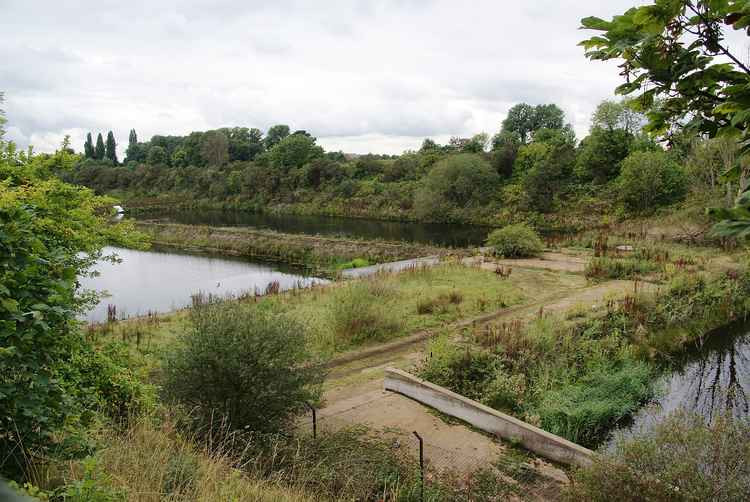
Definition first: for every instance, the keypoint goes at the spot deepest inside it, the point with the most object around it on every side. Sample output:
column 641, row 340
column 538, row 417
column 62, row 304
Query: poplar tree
column 88, row 147
column 111, row 148
column 99, row 150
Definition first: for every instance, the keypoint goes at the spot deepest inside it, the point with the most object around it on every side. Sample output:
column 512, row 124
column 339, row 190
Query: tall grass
column 359, row 313
column 682, row 459
column 153, row 462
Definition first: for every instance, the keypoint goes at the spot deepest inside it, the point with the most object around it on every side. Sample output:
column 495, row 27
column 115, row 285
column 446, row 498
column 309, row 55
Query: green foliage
column 242, row 364
column 355, row 263
column 505, row 147
column 92, row 486
column 675, row 57
column 524, row 120
column 88, row 147
column 51, row 234
column 681, row 459
column 359, row 313
column 601, row 153
column 456, row 182
column 275, row 134
column 611, row 115
column 515, row 241
column 649, row 180
column 99, row 149
column 110, row 148
column 585, row 411
column 548, row 175
column 294, row 152
column 619, row 268
column 214, row 148
column 157, row 155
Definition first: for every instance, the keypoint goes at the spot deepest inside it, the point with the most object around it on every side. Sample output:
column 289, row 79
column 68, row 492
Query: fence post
column 421, row 466
column 315, row 420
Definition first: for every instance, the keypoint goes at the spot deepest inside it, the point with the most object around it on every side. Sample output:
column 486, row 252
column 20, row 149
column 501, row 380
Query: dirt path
column 354, row 392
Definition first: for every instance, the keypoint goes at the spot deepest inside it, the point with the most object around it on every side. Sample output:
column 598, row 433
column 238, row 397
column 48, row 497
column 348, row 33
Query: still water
column 711, row 379
column 428, row 233
column 160, row 281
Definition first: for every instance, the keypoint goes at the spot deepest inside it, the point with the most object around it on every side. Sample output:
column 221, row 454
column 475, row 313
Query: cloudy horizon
column 362, row 76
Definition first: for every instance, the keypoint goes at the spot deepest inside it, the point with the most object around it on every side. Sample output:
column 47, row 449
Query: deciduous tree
column 675, row 52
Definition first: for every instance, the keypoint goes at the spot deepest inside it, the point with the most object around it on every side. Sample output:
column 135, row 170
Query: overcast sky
column 362, row 76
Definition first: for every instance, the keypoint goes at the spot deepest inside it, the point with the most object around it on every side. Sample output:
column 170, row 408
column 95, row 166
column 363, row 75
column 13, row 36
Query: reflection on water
column 429, row 233
column 162, row 281
column 710, row 380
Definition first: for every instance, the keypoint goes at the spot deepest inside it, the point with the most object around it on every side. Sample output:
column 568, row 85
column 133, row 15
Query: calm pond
column 428, row 233
column 160, row 281
column 709, row 380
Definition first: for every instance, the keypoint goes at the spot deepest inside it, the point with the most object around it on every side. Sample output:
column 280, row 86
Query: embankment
column 321, row 254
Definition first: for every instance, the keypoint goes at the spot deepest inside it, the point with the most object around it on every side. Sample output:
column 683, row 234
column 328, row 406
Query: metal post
column 421, row 466
column 315, row 420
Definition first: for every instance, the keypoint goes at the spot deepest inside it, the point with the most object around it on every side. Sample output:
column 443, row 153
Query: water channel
column 444, row 234
column 710, row 379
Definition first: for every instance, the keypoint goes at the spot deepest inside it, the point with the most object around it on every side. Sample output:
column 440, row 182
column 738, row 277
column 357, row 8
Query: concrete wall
column 485, row 418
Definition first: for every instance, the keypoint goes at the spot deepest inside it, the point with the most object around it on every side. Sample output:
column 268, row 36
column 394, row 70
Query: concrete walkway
column 394, row 266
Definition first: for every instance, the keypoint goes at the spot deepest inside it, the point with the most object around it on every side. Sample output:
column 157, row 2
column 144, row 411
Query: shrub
column 459, row 181
column 51, row 234
column 359, row 314
column 515, row 241
column 682, row 458
column 240, row 363
column 649, row 180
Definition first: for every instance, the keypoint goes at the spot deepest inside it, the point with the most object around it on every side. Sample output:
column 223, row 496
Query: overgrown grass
column 622, row 268
column 154, row 461
column 580, row 375
column 389, row 302
column 681, row 459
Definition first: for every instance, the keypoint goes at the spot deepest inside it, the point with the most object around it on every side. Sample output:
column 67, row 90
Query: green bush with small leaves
column 515, row 241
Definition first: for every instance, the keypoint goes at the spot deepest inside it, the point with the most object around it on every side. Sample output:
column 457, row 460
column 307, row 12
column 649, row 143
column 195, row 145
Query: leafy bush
column 515, row 241
column 243, row 364
column 459, row 181
column 359, row 314
column 51, row 234
column 681, row 459
column 649, row 180
column 583, row 412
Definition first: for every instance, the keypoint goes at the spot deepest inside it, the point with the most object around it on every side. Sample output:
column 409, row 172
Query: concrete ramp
column 487, row 419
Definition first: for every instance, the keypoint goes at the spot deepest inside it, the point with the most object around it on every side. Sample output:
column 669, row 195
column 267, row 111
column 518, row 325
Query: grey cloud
column 369, row 74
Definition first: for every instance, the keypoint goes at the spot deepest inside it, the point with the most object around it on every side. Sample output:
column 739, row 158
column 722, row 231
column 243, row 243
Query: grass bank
column 321, row 254
column 352, row 314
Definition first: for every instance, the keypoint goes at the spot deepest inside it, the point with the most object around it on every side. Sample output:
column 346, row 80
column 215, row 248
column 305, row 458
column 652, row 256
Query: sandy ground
column 354, row 392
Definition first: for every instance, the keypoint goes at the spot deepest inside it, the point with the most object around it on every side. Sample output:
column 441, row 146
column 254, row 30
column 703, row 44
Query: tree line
column 534, row 164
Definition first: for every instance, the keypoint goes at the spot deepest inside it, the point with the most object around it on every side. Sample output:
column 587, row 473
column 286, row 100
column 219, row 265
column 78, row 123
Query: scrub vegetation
column 205, row 404
column 580, row 374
